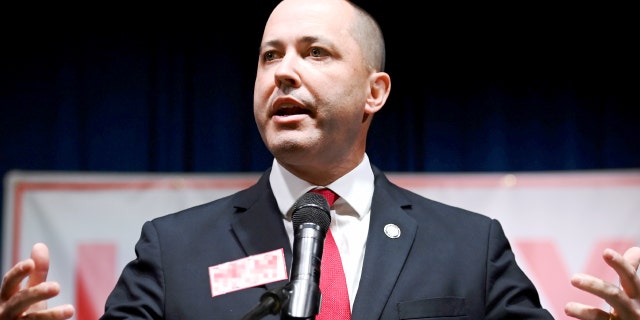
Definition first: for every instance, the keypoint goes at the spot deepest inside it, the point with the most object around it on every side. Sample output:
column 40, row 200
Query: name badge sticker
column 248, row 272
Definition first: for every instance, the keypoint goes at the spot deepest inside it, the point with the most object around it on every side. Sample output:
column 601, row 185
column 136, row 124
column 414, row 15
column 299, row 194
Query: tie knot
column 327, row 194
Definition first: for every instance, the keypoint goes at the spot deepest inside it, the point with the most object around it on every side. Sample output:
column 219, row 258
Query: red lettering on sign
column 95, row 278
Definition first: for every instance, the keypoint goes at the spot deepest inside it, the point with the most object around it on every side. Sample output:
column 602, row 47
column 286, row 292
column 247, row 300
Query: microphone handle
column 305, row 296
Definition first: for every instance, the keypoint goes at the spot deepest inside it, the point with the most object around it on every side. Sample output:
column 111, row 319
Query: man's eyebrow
column 278, row 43
column 271, row 43
column 309, row 39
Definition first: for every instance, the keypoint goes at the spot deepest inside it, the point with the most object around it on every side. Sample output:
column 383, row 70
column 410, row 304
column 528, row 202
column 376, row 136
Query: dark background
column 169, row 89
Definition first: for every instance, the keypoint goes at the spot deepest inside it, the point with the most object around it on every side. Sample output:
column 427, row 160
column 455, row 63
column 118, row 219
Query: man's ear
column 379, row 88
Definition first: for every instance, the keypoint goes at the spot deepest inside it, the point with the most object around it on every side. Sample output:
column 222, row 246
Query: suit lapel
column 258, row 216
column 384, row 256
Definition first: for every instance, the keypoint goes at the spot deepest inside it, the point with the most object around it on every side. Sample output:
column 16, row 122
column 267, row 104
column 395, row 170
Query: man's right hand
column 30, row 301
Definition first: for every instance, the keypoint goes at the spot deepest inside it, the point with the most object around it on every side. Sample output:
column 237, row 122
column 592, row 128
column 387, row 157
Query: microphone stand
column 271, row 302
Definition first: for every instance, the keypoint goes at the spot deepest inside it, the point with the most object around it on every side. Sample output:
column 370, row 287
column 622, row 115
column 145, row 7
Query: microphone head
column 311, row 208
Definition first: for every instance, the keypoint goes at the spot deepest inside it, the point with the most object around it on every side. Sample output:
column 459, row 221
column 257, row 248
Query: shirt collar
column 355, row 188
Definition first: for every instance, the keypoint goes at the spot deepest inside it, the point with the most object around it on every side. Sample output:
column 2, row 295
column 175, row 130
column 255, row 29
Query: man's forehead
column 310, row 18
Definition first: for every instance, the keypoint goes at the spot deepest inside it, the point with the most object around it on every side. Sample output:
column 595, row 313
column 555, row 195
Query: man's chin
column 291, row 149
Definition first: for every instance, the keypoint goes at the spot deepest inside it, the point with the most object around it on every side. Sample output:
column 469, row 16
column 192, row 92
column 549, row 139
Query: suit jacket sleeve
column 510, row 292
column 139, row 292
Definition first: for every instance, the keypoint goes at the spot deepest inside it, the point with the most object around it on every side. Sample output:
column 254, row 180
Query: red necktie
column 333, row 285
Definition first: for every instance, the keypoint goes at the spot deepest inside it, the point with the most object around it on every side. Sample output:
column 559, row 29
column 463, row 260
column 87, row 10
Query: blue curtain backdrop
column 490, row 92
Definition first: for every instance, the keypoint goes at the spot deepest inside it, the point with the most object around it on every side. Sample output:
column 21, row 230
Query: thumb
column 40, row 256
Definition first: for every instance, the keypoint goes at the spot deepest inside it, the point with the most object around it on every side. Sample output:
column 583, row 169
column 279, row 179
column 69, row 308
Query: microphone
column 311, row 221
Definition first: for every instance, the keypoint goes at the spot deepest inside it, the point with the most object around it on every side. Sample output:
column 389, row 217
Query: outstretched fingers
column 629, row 279
column 59, row 312
column 625, row 301
column 13, row 278
column 18, row 301
column 585, row 312
column 624, row 298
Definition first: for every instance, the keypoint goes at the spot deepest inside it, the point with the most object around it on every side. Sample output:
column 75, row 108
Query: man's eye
column 316, row 52
column 270, row 55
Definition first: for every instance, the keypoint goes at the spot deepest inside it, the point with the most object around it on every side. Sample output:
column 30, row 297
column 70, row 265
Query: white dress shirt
column 349, row 215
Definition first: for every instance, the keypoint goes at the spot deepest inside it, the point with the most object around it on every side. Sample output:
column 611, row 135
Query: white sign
column 558, row 223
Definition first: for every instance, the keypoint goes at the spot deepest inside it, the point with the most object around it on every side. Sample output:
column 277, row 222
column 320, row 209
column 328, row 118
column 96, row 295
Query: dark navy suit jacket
column 448, row 263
